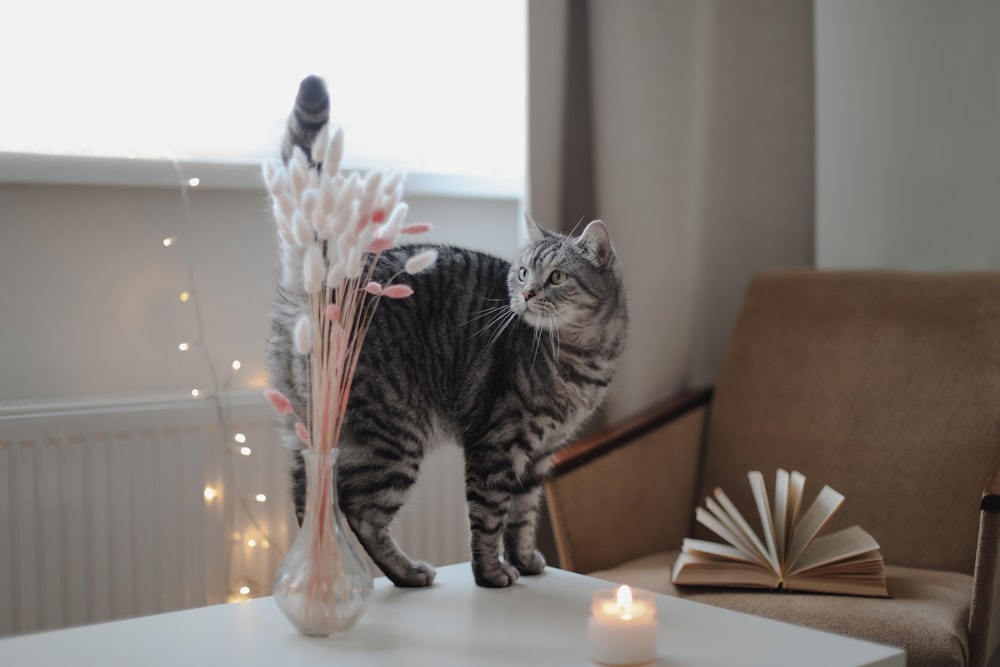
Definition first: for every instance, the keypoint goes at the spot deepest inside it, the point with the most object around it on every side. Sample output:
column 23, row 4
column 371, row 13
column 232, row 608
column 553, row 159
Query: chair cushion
column 927, row 615
column 882, row 384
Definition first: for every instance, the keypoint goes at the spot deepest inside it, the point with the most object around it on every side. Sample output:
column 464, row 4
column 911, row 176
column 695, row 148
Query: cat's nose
column 528, row 295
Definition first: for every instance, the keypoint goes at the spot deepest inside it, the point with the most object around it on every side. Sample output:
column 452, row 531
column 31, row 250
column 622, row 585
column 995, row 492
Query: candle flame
column 625, row 598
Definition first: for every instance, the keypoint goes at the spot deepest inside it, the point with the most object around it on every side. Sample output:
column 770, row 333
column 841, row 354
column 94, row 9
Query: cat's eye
column 522, row 274
column 557, row 277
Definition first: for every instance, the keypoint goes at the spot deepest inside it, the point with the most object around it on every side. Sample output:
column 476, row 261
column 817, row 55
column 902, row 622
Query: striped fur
column 505, row 359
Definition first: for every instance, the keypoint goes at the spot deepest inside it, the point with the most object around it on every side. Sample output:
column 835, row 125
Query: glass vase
column 322, row 585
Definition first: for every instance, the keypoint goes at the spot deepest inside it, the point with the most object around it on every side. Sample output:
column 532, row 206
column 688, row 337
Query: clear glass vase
column 322, row 585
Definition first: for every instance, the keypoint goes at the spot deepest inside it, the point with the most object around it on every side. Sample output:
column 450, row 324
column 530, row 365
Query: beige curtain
column 687, row 126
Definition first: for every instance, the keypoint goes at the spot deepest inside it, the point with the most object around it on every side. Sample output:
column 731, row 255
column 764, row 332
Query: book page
column 781, row 514
column 861, row 574
column 796, row 486
column 867, row 564
column 840, row 546
column 744, row 527
column 759, row 490
column 714, row 550
column 693, row 569
column 873, row 585
column 805, row 531
column 712, row 522
column 739, row 537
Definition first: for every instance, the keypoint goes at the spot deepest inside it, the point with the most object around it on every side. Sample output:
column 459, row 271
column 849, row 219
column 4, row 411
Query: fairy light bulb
column 244, row 590
column 240, row 438
column 184, row 296
column 194, row 182
column 169, row 241
column 184, row 347
column 211, row 493
column 195, row 393
column 246, row 451
column 261, row 498
column 237, row 365
column 251, row 543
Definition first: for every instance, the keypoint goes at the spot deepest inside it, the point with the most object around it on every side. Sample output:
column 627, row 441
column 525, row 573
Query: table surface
column 539, row 621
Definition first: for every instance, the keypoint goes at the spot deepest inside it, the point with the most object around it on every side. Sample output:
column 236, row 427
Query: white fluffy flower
column 313, row 269
column 303, row 334
column 421, row 261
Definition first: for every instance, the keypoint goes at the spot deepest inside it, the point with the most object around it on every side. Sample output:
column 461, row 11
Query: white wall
column 908, row 127
column 89, row 300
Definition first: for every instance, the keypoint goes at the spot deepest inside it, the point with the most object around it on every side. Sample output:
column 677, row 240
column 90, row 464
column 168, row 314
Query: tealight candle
column 622, row 627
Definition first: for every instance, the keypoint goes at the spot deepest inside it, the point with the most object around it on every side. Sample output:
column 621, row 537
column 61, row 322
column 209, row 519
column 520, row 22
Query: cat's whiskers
column 487, row 312
column 554, row 337
column 503, row 323
column 535, row 344
column 501, row 318
column 549, row 325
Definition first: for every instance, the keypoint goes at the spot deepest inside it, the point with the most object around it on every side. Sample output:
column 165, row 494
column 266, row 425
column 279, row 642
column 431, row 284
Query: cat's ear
column 531, row 231
column 596, row 241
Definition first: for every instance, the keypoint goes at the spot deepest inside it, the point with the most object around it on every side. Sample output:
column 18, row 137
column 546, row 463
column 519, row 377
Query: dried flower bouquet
column 332, row 229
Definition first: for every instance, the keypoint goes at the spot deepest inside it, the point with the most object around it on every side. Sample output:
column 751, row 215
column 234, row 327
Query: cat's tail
column 310, row 113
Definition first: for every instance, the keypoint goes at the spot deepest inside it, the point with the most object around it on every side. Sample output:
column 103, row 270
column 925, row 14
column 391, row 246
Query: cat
column 508, row 359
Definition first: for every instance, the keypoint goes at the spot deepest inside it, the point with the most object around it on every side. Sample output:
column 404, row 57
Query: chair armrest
column 984, row 622
column 583, row 451
column 991, row 493
column 629, row 490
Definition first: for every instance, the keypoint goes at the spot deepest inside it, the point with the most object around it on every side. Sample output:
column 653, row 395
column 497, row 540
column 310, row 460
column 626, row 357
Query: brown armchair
column 884, row 385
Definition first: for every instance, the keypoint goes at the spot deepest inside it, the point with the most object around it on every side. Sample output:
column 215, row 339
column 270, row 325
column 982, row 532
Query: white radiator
column 104, row 512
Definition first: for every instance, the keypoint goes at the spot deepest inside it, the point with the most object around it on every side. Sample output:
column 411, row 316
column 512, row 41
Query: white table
column 539, row 621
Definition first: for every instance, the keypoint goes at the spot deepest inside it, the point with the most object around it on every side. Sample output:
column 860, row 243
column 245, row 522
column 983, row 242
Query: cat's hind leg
column 371, row 491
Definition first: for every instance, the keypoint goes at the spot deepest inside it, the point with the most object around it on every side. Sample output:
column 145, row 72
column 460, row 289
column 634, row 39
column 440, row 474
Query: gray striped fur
column 490, row 354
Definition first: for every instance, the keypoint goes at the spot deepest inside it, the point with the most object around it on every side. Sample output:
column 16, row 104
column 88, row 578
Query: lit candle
column 622, row 627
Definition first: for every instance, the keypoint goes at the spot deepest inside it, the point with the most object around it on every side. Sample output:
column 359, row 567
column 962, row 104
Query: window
column 434, row 86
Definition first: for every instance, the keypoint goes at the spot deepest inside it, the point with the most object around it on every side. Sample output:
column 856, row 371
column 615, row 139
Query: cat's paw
column 419, row 574
column 495, row 575
column 533, row 564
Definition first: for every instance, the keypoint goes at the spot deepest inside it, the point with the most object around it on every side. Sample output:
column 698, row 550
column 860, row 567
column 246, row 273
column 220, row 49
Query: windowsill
column 32, row 168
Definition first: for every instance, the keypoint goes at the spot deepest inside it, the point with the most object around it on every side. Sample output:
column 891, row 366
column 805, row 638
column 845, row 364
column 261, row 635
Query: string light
column 239, row 585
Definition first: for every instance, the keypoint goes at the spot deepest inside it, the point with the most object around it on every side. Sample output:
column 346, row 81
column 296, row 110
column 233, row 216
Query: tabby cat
column 507, row 359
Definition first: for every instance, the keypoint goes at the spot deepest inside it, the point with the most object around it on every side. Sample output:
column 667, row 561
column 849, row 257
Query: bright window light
column 431, row 85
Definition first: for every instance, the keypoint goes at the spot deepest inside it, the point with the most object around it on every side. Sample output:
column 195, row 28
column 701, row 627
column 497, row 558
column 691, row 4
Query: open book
column 791, row 556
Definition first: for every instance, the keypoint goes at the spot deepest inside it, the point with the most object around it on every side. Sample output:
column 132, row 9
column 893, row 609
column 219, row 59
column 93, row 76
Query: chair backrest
column 884, row 385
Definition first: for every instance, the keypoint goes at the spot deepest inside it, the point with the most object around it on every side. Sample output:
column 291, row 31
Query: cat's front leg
column 488, row 509
column 519, row 532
